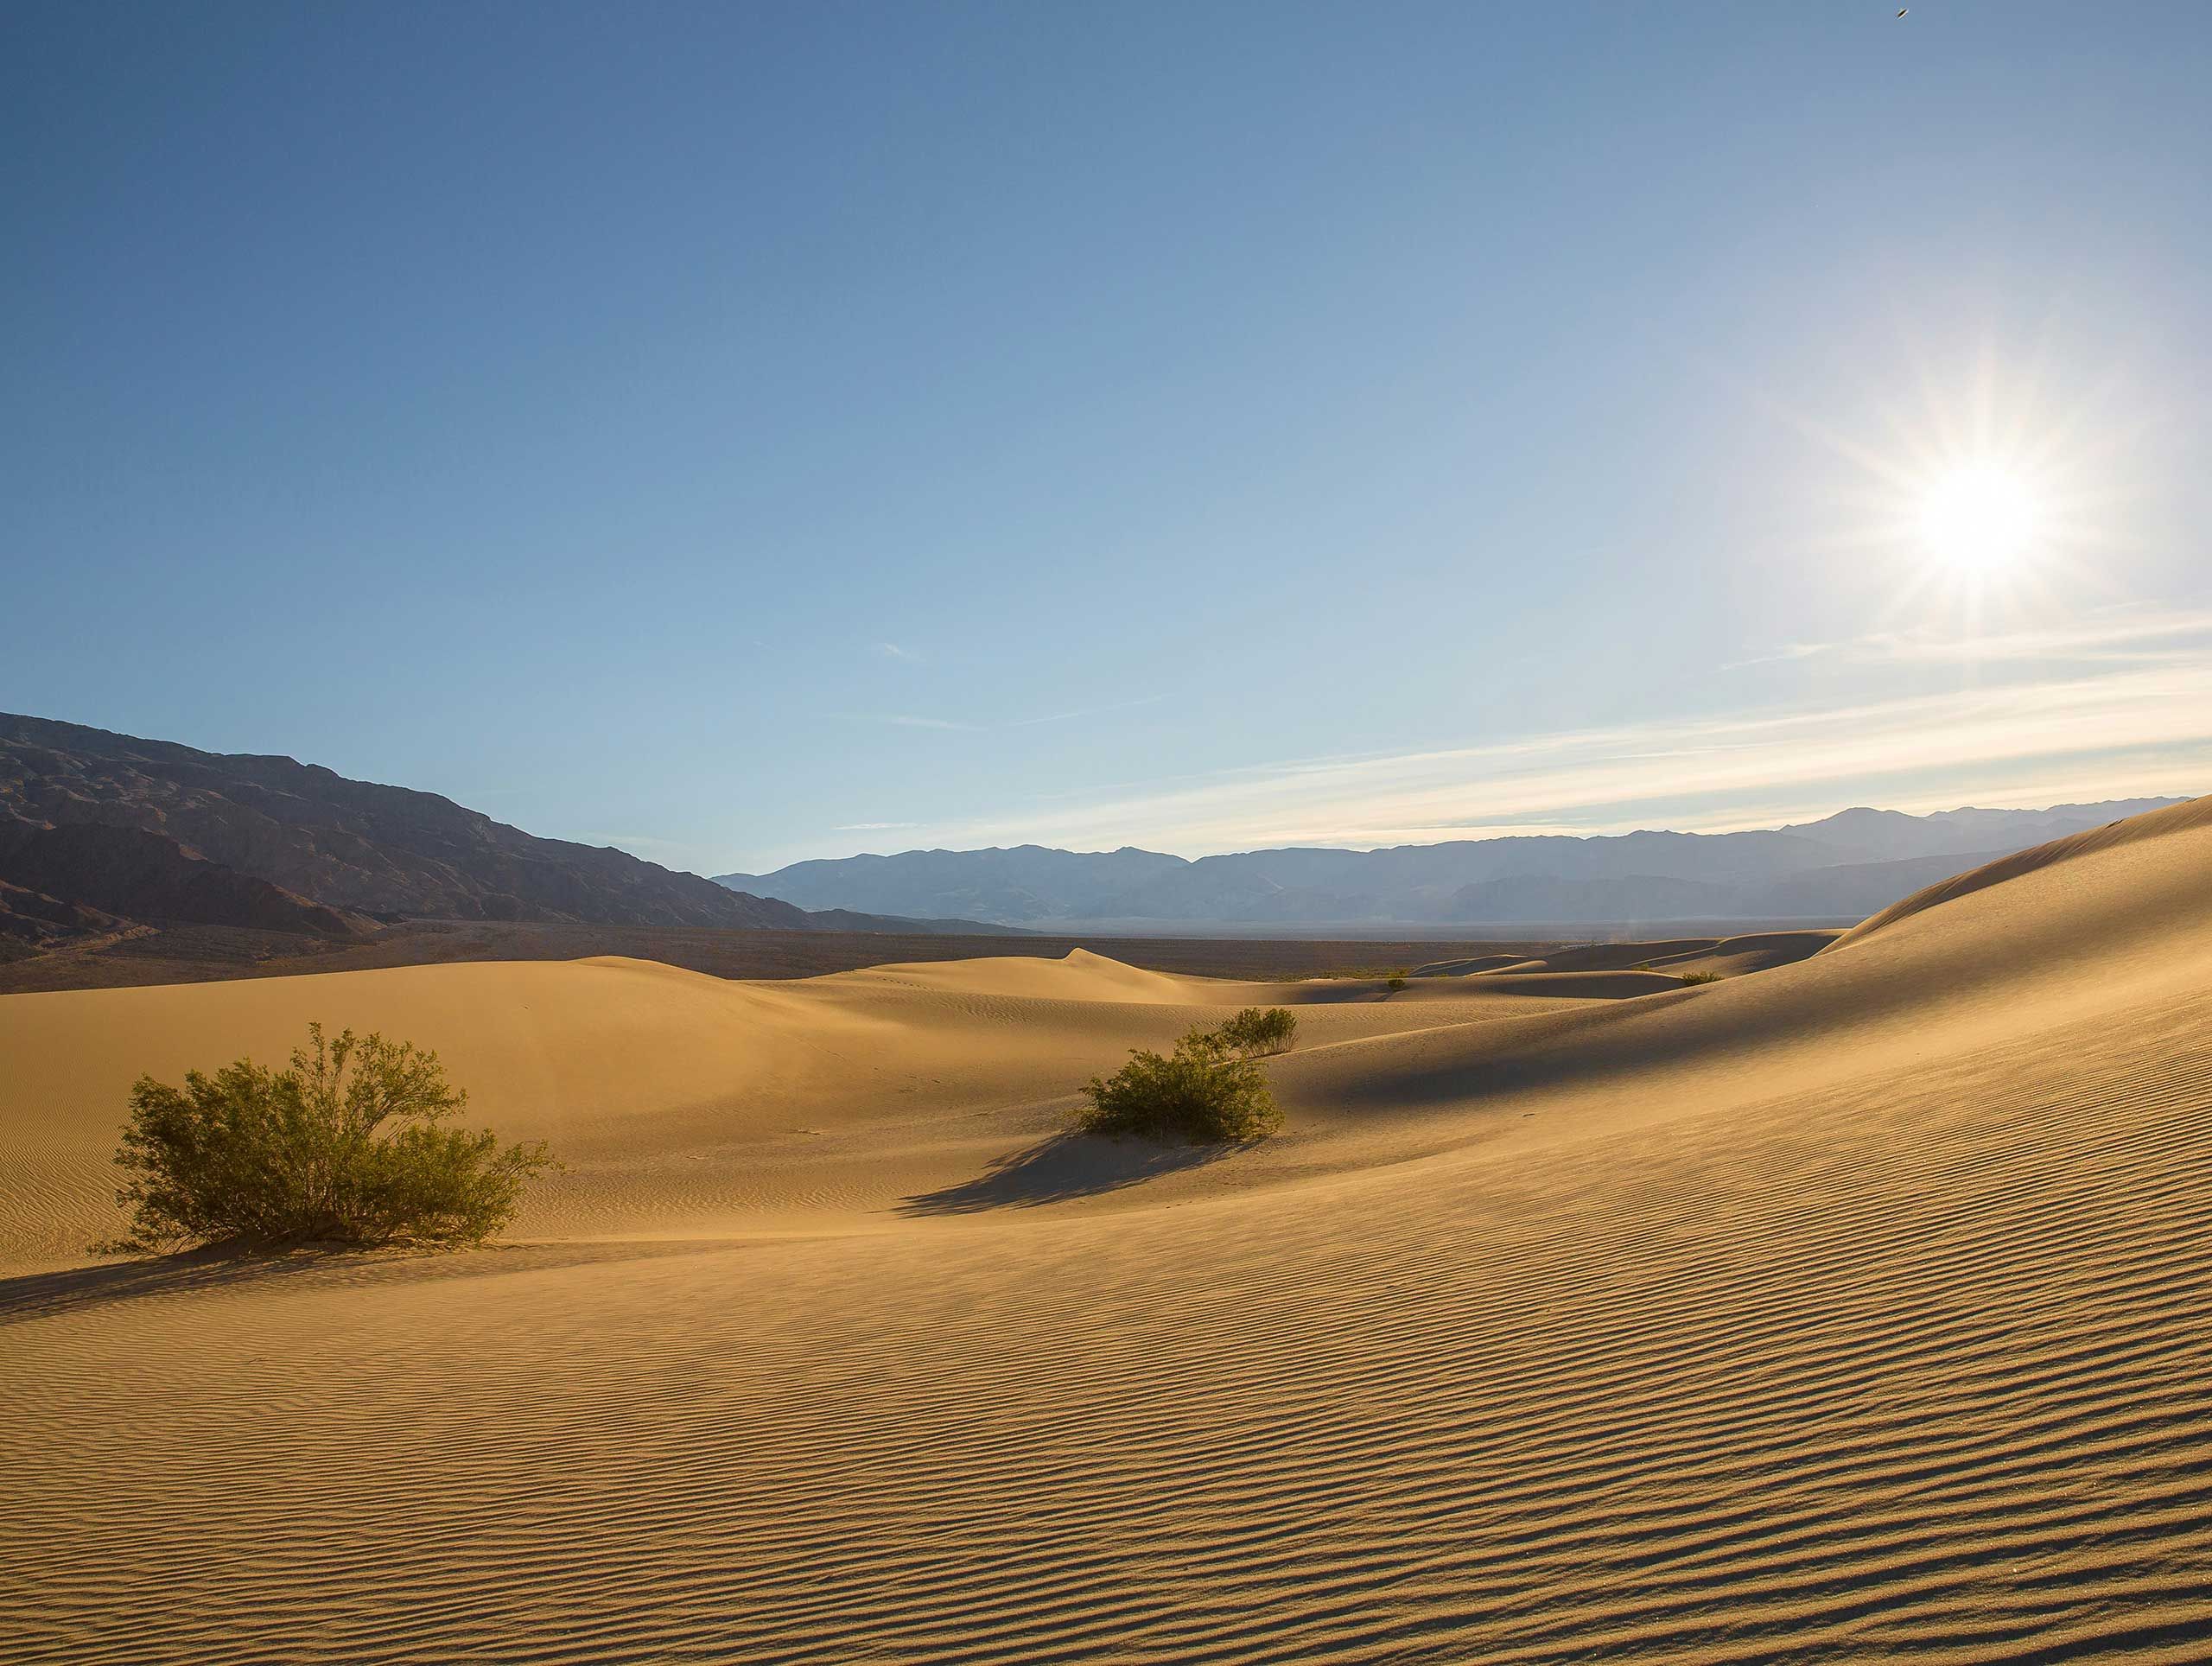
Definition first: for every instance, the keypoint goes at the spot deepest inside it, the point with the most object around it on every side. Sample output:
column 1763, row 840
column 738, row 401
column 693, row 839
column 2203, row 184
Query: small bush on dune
column 343, row 1146
column 1209, row 1089
column 1256, row 1031
column 1700, row 977
column 1195, row 1093
column 1397, row 981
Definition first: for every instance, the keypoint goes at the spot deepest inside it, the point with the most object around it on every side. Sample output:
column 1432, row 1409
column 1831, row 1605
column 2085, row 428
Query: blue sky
column 742, row 433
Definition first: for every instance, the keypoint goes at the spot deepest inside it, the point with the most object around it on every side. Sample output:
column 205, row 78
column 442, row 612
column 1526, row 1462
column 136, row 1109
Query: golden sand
column 1857, row 1306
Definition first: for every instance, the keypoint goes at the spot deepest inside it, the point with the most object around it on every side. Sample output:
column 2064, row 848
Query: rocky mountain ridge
column 100, row 831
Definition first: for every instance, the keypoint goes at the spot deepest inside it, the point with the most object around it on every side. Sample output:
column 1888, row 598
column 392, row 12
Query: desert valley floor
column 1857, row 1306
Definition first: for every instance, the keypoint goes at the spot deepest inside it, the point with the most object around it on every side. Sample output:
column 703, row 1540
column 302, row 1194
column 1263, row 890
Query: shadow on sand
column 36, row 1296
column 1065, row 1165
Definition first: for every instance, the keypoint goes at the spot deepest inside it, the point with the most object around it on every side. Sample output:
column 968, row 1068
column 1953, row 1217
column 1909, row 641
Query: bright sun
column 1978, row 519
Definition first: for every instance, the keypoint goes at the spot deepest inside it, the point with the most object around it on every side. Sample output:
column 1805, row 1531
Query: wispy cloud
column 893, row 650
column 1788, row 653
column 2119, row 635
column 2117, row 730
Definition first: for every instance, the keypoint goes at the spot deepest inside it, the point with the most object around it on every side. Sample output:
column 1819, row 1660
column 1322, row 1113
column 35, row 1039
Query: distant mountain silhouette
column 98, row 830
column 1839, row 869
column 1011, row 887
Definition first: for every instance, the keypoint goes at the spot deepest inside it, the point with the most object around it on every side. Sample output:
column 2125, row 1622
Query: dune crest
column 2185, row 818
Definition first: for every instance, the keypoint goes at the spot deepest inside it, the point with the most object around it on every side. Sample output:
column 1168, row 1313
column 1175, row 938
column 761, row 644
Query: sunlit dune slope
column 1855, row 1309
column 2093, row 924
column 2153, row 826
column 681, row 1103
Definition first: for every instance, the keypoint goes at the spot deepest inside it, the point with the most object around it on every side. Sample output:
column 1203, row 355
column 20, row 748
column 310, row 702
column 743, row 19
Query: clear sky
column 745, row 432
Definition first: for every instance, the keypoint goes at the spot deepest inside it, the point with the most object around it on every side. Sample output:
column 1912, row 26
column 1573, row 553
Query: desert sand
column 1857, row 1306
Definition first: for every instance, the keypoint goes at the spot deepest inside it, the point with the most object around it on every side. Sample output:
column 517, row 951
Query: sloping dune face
column 683, row 1105
column 1855, row 1309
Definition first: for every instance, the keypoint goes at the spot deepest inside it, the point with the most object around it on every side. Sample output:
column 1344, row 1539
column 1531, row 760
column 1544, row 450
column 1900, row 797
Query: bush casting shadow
column 1209, row 1090
column 346, row 1147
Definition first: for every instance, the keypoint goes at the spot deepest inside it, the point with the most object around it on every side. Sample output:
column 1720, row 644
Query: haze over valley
column 1839, row 869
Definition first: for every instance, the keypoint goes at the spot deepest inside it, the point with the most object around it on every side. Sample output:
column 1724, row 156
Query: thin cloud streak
column 2151, row 725
column 2119, row 637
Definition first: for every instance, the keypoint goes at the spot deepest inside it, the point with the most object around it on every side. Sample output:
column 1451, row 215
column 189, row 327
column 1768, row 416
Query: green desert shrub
column 1397, row 981
column 344, row 1147
column 1700, row 977
column 1257, row 1031
column 1205, row 1091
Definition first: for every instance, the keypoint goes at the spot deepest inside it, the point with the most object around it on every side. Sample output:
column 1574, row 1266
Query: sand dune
column 2156, row 825
column 682, row 1103
column 1853, row 1306
column 1462, row 967
column 1728, row 956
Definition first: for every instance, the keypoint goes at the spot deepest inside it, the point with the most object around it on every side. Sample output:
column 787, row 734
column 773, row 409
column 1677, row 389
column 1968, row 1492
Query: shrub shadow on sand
column 36, row 1296
column 1065, row 1165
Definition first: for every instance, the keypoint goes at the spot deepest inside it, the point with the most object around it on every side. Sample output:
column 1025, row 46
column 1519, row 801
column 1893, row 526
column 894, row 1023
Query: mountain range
column 102, row 833
column 1838, row 869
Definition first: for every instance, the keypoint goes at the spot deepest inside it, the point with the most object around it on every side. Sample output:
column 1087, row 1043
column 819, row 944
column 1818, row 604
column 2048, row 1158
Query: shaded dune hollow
column 1856, row 1307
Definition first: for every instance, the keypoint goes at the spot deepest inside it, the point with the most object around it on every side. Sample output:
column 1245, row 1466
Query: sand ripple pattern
column 1919, row 1370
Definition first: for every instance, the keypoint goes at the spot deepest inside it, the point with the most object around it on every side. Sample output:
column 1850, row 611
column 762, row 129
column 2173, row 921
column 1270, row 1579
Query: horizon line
column 2153, row 800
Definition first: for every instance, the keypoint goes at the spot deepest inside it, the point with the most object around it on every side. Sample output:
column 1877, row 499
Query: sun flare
column 1978, row 519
